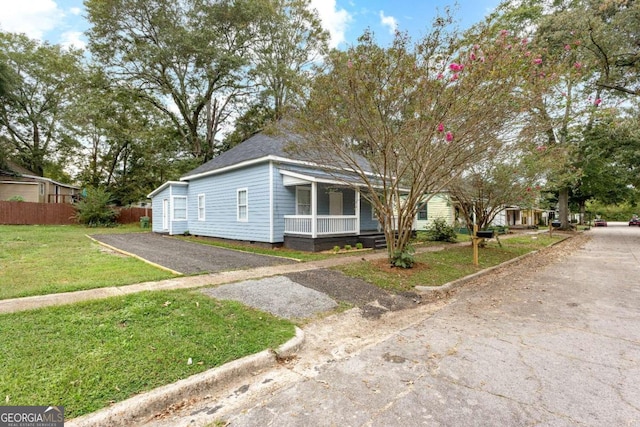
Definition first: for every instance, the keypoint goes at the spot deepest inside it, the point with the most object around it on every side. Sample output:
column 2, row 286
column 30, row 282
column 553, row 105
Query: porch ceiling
column 291, row 178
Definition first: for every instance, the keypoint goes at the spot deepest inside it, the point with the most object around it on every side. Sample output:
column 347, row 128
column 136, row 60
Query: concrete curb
column 147, row 404
column 461, row 281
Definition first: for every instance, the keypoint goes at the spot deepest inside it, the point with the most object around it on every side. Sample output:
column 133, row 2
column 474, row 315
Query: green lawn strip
column 282, row 252
column 86, row 356
column 454, row 262
column 38, row 260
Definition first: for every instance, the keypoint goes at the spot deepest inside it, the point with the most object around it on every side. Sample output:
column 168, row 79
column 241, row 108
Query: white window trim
column 202, row 210
column 298, row 190
column 424, row 205
column 238, row 205
column 173, row 209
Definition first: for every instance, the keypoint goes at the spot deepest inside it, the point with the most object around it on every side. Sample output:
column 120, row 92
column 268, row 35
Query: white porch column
column 357, row 211
column 314, row 209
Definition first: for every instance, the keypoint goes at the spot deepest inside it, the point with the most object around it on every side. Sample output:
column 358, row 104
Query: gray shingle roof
column 257, row 146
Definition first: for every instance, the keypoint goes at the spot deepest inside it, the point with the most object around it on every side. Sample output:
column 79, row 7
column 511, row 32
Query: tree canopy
column 420, row 114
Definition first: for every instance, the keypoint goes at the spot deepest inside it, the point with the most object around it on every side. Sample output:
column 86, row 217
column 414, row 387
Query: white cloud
column 333, row 20
column 75, row 11
column 33, row 17
column 388, row 21
column 72, row 39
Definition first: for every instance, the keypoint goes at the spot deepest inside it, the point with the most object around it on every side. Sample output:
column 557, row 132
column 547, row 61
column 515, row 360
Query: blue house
column 259, row 192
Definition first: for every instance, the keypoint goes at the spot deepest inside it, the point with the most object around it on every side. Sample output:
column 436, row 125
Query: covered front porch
column 327, row 214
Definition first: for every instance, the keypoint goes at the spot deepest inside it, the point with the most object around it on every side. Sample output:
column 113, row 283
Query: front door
column 335, row 203
column 165, row 214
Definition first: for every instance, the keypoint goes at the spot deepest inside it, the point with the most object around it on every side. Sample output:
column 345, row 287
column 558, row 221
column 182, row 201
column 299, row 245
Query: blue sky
column 62, row 21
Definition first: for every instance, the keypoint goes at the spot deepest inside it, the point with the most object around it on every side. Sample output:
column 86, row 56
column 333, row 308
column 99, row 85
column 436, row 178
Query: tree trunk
column 563, row 207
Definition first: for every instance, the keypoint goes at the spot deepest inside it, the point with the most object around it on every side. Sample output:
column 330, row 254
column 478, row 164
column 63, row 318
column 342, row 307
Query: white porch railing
column 325, row 224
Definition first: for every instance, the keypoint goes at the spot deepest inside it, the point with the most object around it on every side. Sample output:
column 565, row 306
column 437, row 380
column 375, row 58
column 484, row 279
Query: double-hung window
column 180, row 208
column 303, row 201
column 422, row 212
column 201, row 209
column 243, row 205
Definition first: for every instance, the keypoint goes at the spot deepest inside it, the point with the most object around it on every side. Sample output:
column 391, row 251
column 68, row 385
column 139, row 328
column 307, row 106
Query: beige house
column 17, row 183
column 439, row 206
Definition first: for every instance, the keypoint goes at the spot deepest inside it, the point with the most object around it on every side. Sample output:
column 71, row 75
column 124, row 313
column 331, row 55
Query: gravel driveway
column 186, row 257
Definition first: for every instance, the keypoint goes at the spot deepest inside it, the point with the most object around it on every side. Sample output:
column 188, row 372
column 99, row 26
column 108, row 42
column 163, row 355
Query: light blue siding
column 348, row 199
column 221, row 216
column 284, row 203
column 367, row 220
column 156, row 210
column 157, row 203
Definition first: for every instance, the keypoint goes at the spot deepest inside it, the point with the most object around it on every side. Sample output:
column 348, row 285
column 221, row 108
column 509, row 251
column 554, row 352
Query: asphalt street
column 554, row 346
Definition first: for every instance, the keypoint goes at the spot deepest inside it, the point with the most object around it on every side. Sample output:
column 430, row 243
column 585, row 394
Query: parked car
column 634, row 221
column 599, row 222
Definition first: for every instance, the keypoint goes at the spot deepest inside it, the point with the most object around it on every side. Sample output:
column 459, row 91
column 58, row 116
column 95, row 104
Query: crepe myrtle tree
column 512, row 177
column 409, row 118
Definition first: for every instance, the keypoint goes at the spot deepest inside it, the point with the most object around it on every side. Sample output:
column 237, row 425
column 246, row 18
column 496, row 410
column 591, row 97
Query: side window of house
column 422, row 212
column 41, row 187
column 303, row 201
column 201, row 209
column 243, row 205
column 179, row 208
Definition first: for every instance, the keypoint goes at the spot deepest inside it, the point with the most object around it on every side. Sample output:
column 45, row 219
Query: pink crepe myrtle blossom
column 537, row 61
column 449, row 137
column 504, row 33
column 541, row 148
column 577, row 65
column 597, row 102
column 525, row 41
column 455, row 77
column 439, row 76
column 456, row 67
column 527, row 53
column 472, row 56
column 349, row 64
column 440, row 127
column 567, row 47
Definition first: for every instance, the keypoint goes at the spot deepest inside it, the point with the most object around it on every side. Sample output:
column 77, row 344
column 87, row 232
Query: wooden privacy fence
column 27, row 213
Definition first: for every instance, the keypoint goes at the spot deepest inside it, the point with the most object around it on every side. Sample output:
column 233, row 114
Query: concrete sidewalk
column 39, row 301
column 188, row 282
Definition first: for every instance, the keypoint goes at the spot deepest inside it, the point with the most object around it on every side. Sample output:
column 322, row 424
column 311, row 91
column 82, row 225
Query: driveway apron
column 186, row 257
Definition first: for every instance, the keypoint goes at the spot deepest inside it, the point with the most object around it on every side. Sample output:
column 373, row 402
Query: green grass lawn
column 86, row 356
column 38, row 260
column 454, row 262
column 282, row 252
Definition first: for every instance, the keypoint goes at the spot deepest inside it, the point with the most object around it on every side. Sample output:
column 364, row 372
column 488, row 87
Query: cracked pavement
column 554, row 343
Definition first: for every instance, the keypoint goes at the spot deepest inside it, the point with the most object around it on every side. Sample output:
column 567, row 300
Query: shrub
column 403, row 259
column 440, row 231
column 359, row 245
column 16, row 199
column 94, row 209
column 336, row 249
column 347, row 247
